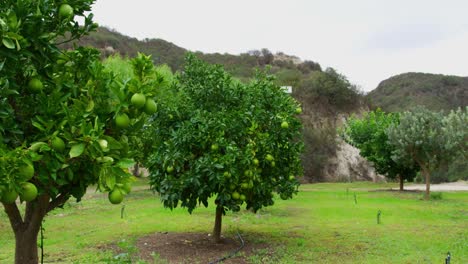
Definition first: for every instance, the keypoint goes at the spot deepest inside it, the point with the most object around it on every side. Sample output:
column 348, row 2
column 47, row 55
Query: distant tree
column 429, row 138
column 309, row 66
column 267, row 57
column 216, row 137
column 369, row 135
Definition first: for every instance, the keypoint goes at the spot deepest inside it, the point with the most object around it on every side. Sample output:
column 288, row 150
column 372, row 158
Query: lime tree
column 66, row 120
column 217, row 137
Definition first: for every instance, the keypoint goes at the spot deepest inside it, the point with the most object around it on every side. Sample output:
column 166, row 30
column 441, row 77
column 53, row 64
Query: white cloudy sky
column 366, row 40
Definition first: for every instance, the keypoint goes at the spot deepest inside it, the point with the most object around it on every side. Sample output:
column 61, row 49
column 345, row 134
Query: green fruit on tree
column 150, row 107
column 232, row 186
column 138, row 100
column 242, row 197
column 235, row 195
column 28, row 191
column 214, row 147
column 291, row 177
column 269, row 157
column 273, row 164
column 244, row 185
column 251, row 184
column 169, row 169
column 57, row 144
column 127, row 187
column 284, row 125
column 115, row 196
column 65, row 11
column 35, row 85
column 298, row 110
column 26, row 172
column 103, row 144
column 122, row 121
column 9, row 197
column 227, row 175
column 256, row 162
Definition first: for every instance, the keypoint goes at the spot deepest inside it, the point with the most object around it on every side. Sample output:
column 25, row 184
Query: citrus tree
column 429, row 139
column 369, row 135
column 66, row 121
column 216, row 137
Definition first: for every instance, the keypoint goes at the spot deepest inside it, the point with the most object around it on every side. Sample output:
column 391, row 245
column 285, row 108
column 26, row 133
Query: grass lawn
column 324, row 223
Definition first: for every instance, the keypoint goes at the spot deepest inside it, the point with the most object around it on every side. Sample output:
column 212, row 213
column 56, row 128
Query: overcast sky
column 366, row 40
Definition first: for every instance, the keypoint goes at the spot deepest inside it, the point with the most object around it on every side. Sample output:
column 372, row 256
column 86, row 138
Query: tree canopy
column 217, row 137
column 430, row 139
column 369, row 135
column 66, row 121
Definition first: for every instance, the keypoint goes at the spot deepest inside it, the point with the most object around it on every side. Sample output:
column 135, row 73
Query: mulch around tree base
column 194, row 248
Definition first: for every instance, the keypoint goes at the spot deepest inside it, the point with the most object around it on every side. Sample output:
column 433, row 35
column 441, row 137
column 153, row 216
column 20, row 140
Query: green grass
column 323, row 224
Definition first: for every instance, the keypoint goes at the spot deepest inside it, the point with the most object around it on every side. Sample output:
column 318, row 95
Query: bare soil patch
column 196, row 248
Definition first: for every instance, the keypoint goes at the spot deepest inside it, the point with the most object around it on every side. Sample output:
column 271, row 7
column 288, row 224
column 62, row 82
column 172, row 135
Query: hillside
column 435, row 91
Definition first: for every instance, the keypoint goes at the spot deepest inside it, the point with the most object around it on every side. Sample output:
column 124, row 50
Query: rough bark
column 218, row 223
column 26, row 228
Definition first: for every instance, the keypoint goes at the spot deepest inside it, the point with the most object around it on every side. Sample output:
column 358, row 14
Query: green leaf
column 3, row 24
column 125, row 163
column 90, row 106
column 110, row 180
column 38, row 126
column 77, row 150
column 7, row 42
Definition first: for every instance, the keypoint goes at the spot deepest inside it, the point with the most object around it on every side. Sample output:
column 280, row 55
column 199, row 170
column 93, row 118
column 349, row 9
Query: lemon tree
column 217, row 137
column 66, row 120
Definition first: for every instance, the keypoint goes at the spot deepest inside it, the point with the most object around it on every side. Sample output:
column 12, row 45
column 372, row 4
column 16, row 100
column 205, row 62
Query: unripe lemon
column 26, row 172
column 150, row 107
column 115, row 196
column 138, row 100
column 65, row 11
column 57, row 144
column 28, row 191
column 35, row 85
column 122, row 121
column 9, row 197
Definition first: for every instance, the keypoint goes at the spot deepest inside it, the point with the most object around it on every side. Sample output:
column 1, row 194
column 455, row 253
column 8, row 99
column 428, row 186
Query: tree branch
column 36, row 208
column 58, row 201
column 14, row 215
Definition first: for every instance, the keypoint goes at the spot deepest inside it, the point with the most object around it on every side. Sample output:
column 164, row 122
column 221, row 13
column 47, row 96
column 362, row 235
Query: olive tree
column 429, row 138
column 216, row 137
column 66, row 122
column 369, row 135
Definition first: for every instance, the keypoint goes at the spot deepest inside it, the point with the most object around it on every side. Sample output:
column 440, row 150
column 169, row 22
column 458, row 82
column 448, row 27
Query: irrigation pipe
column 233, row 252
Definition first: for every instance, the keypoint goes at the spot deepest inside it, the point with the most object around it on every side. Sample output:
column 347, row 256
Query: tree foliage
column 66, row 121
column 216, row 137
column 429, row 138
column 369, row 135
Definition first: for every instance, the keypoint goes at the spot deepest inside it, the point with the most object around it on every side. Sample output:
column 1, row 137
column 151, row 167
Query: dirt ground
column 451, row 186
column 195, row 248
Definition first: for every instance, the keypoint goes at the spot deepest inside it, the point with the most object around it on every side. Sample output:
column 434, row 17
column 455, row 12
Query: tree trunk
column 401, row 182
column 217, row 226
column 26, row 246
column 427, row 176
column 26, row 228
column 136, row 170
